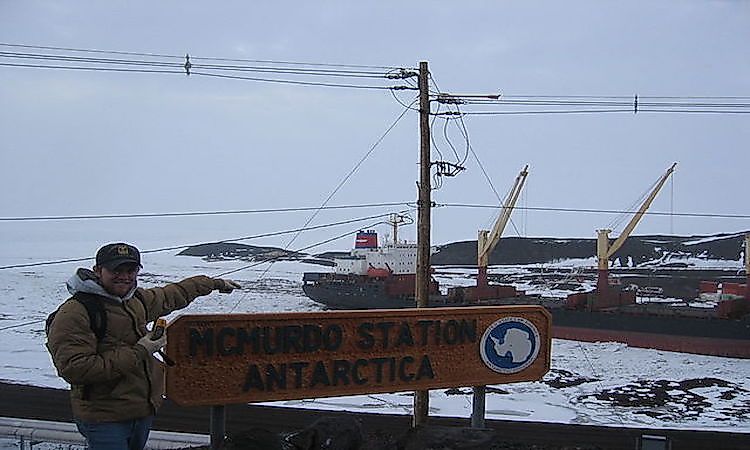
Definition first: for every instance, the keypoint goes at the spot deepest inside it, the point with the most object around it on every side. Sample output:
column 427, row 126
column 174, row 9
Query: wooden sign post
column 243, row 358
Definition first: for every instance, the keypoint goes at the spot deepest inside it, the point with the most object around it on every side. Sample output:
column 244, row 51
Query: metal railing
column 29, row 433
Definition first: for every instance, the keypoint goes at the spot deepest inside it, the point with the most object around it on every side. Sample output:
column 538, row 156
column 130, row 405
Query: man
column 116, row 383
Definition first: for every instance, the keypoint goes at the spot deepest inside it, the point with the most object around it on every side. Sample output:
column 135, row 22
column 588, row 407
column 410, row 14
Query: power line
column 629, row 97
column 549, row 100
column 357, row 165
column 595, row 111
column 19, row 325
column 640, row 103
column 276, row 258
column 198, row 213
column 223, row 274
column 180, row 65
column 370, row 205
column 574, row 111
column 598, row 103
column 456, row 205
column 695, row 111
column 601, row 211
column 516, row 104
column 177, row 247
column 301, row 83
column 267, row 61
column 91, row 63
column 115, row 52
column 95, row 69
column 346, row 178
column 206, row 74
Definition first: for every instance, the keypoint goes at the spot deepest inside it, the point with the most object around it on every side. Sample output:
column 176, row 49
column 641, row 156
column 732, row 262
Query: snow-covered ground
column 590, row 383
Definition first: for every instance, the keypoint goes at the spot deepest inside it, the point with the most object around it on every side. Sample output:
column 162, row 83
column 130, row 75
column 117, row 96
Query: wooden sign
column 242, row 358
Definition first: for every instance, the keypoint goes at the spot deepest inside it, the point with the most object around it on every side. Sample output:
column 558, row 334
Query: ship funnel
column 366, row 239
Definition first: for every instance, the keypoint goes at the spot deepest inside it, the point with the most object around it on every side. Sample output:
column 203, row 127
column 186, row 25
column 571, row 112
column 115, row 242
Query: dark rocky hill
column 641, row 251
column 232, row 250
column 637, row 250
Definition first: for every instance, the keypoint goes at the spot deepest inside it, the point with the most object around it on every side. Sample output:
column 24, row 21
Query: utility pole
column 422, row 288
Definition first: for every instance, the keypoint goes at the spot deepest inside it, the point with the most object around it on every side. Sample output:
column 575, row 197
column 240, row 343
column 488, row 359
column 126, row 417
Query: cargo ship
column 375, row 276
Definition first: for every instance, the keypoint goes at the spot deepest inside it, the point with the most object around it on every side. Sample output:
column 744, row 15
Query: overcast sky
column 93, row 142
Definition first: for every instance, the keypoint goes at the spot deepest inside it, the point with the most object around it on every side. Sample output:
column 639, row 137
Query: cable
column 598, row 378
column 266, row 61
column 317, row 244
column 619, row 220
column 465, row 132
column 223, row 274
column 19, row 325
column 104, row 64
column 87, row 60
column 198, row 213
column 432, row 79
column 41, row 47
column 602, row 104
column 301, row 83
column 304, row 228
column 435, row 147
column 696, row 111
column 595, row 111
column 492, row 100
column 177, row 247
column 602, row 211
column 271, row 261
column 580, row 111
column 349, row 175
column 223, row 67
column 671, row 204
column 234, row 77
column 114, row 52
column 628, row 97
column 393, row 92
column 319, row 72
column 357, row 166
column 102, row 69
column 492, row 186
column 453, row 205
column 448, row 140
column 353, row 70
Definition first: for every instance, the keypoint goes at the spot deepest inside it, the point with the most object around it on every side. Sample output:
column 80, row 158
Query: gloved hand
column 225, row 286
column 152, row 345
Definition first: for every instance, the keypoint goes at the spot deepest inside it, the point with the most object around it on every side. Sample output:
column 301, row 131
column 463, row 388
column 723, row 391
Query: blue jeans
column 125, row 435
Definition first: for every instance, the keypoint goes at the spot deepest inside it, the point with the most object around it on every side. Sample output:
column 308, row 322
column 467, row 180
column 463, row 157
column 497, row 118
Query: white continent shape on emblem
column 515, row 341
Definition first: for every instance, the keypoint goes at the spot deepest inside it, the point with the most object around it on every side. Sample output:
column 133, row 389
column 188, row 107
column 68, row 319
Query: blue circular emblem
column 509, row 345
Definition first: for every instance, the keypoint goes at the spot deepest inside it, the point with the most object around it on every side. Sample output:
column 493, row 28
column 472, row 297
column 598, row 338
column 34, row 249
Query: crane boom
column 639, row 215
column 604, row 251
column 488, row 240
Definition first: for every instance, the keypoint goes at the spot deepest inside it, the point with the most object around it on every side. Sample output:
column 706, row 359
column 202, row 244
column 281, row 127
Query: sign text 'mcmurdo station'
column 241, row 358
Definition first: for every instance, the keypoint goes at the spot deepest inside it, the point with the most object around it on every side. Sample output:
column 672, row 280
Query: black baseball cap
column 112, row 255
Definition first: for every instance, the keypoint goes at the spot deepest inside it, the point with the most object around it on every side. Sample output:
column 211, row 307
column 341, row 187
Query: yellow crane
column 486, row 240
column 604, row 251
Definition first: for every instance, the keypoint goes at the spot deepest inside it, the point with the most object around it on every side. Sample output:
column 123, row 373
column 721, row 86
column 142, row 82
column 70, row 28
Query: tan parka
column 114, row 379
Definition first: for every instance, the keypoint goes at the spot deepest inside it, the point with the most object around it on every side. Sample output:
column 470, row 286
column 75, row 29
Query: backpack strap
column 96, row 312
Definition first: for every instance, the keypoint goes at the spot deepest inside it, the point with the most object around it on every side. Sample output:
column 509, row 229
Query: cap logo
column 123, row 250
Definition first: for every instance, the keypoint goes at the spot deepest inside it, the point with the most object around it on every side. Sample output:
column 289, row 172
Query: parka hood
column 86, row 281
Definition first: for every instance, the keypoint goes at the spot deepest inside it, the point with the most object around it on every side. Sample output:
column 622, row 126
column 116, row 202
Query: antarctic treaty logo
column 510, row 345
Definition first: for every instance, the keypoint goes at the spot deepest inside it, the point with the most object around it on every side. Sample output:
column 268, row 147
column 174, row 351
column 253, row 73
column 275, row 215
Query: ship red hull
column 732, row 348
